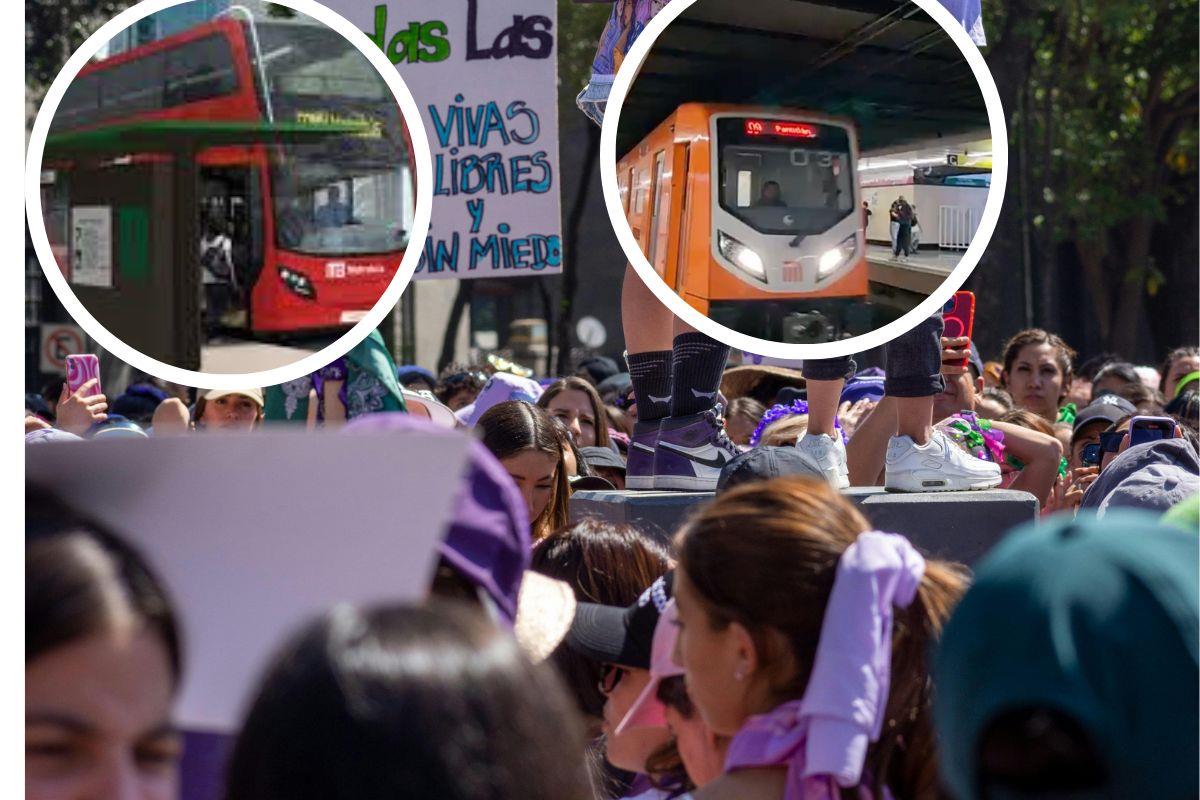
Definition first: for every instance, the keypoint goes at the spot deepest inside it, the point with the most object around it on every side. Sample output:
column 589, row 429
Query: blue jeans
column 913, row 362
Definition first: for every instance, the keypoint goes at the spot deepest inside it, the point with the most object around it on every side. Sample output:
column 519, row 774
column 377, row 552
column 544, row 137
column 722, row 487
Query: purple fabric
column 202, row 768
column 823, row 738
column 487, row 540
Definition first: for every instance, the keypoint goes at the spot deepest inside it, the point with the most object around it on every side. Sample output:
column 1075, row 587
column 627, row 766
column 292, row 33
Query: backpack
column 216, row 260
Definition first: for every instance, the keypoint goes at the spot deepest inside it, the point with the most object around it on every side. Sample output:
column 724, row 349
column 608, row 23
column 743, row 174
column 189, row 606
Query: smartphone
column 959, row 315
column 1090, row 455
column 80, row 370
column 1150, row 429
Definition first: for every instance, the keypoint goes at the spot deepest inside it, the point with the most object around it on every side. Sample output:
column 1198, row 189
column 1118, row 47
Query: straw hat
column 760, row 381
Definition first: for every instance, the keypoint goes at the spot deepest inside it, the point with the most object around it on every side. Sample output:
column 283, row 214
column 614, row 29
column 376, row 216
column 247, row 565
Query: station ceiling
column 886, row 64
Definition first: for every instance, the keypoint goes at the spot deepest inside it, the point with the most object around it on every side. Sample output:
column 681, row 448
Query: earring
column 739, row 674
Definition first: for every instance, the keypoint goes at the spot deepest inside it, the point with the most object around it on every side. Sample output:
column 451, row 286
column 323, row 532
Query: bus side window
column 656, row 216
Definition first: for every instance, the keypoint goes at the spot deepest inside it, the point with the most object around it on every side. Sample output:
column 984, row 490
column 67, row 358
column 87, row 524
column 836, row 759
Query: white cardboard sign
column 485, row 76
column 256, row 534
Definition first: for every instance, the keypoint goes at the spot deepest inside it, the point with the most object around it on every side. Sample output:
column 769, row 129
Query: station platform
column 959, row 526
column 921, row 274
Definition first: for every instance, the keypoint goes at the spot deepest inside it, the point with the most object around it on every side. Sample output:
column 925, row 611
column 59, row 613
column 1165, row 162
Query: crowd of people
column 774, row 646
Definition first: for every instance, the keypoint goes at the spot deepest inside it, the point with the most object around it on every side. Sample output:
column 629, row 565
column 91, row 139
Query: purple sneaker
column 639, row 463
column 691, row 452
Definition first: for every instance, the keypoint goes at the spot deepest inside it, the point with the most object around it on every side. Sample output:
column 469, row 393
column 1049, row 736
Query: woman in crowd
column 575, row 401
column 407, row 702
column 1037, row 372
column 788, row 644
column 741, row 418
column 1070, row 668
column 607, row 564
column 459, row 386
column 102, row 664
column 228, row 410
column 525, row 440
column 1179, row 362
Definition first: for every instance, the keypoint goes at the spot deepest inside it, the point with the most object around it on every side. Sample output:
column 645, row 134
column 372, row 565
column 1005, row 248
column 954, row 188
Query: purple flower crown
column 778, row 412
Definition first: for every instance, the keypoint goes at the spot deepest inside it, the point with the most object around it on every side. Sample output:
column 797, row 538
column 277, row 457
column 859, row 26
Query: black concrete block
column 960, row 526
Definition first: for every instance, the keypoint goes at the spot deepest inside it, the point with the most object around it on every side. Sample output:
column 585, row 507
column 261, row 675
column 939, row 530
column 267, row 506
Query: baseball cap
column 863, row 386
column 602, row 457
column 1106, row 407
column 500, row 388
column 1095, row 618
column 762, row 464
column 647, row 710
column 254, row 394
column 599, row 368
column 114, row 427
column 621, row 636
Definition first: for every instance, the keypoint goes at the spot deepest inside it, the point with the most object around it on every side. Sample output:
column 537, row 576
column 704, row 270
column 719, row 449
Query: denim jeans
column 913, row 362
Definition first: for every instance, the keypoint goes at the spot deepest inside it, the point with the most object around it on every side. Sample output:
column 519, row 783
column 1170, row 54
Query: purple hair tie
column 778, row 412
column 823, row 738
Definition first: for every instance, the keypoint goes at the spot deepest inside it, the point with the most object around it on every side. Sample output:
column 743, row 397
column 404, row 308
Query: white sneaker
column 826, row 456
column 937, row 466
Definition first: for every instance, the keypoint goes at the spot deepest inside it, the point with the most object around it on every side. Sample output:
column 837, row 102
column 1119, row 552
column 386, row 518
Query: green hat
column 1093, row 619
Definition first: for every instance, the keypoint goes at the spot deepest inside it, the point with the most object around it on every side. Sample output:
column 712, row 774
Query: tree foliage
column 1102, row 103
column 53, row 31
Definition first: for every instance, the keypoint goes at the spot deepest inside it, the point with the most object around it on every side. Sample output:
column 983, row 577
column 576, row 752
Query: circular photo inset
column 228, row 190
column 790, row 174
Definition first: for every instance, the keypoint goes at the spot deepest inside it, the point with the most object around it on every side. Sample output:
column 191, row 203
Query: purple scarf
column 823, row 738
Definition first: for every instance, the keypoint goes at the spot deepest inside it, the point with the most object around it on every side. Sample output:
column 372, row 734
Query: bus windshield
column 329, row 203
column 346, row 195
column 784, row 178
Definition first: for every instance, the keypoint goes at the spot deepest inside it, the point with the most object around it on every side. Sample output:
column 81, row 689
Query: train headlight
column 833, row 260
column 298, row 283
column 741, row 256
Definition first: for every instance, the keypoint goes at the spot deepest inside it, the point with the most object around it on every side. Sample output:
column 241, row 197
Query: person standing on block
column 919, row 457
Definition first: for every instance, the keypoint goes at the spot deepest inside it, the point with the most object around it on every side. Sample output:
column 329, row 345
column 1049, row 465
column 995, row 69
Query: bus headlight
column 297, row 283
column 741, row 256
column 833, row 260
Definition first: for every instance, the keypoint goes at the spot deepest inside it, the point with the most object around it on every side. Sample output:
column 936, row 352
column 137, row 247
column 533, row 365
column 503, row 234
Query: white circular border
column 678, row 306
column 421, row 159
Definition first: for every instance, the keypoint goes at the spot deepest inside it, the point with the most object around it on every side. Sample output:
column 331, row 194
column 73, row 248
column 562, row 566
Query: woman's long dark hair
column 515, row 426
column 427, row 701
column 580, row 385
column 82, row 580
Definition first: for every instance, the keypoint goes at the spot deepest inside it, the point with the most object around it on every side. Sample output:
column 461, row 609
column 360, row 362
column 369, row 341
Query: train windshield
column 784, row 177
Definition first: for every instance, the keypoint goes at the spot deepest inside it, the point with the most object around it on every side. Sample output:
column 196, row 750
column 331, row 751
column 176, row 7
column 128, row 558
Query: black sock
column 697, row 365
column 650, row 374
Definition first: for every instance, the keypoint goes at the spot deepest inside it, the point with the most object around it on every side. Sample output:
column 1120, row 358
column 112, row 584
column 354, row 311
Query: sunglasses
column 610, row 677
column 463, row 377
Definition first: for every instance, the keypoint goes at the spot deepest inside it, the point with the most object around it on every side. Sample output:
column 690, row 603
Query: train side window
column 745, row 187
column 629, row 192
column 656, row 189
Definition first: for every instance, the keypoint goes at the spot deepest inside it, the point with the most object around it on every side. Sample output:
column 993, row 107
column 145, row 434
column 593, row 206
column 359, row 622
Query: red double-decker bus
column 318, row 228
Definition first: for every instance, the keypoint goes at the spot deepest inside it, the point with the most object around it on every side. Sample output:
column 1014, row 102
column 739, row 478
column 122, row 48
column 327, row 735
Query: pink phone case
column 80, row 370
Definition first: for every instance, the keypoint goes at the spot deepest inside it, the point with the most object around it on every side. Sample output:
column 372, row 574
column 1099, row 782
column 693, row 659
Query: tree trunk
column 461, row 301
column 570, row 279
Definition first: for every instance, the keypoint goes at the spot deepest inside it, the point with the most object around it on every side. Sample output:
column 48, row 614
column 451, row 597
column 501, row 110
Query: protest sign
column 254, row 535
column 485, row 77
